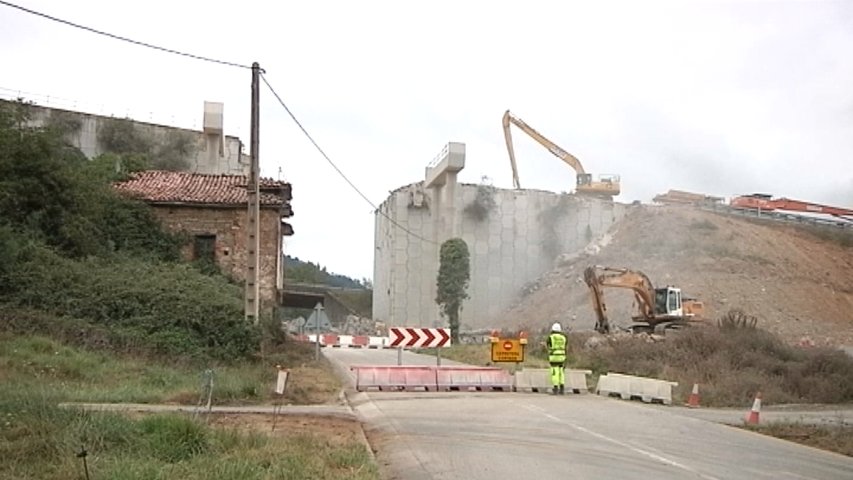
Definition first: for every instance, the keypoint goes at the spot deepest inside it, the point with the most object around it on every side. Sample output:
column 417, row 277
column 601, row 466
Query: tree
column 454, row 272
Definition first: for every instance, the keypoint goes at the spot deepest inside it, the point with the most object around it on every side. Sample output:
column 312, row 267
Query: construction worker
column 558, row 349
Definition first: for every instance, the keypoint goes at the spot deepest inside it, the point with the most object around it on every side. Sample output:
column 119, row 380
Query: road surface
column 495, row 435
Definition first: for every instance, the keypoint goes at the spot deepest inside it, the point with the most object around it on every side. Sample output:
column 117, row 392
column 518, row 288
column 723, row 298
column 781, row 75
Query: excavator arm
column 509, row 148
column 638, row 282
column 606, row 186
column 552, row 147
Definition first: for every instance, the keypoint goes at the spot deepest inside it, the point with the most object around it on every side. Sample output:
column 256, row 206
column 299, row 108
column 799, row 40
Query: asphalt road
column 495, row 435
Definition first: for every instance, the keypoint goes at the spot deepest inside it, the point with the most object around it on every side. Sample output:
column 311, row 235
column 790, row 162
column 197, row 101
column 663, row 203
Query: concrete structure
column 336, row 308
column 211, row 210
column 209, row 151
column 514, row 236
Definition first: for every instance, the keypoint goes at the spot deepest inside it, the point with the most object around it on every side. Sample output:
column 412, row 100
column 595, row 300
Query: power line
column 230, row 64
column 124, row 39
column 323, row 153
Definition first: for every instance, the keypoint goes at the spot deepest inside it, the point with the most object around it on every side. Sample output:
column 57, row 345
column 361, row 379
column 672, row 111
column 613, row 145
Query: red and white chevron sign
column 419, row 337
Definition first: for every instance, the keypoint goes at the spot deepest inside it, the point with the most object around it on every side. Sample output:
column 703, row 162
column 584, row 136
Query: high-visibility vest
column 557, row 352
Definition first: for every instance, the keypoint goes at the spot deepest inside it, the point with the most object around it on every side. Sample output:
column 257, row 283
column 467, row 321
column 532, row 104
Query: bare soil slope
column 797, row 283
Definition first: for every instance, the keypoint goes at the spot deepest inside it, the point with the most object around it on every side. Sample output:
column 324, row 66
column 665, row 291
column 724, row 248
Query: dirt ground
column 798, row 283
column 335, row 430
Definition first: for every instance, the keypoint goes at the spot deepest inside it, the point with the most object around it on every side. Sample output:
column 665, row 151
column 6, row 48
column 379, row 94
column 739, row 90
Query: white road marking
column 634, row 449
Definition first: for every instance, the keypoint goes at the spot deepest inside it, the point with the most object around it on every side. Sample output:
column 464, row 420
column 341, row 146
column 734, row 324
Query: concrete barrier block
column 608, row 385
column 576, row 380
column 532, row 380
column 630, row 386
column 539, row 380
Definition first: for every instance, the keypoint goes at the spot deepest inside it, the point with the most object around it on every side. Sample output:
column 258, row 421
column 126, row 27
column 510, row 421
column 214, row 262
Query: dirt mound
column 796, row 280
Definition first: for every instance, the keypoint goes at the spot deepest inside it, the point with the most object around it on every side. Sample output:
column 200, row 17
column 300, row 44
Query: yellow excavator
column 658, row 309
column 606, row 186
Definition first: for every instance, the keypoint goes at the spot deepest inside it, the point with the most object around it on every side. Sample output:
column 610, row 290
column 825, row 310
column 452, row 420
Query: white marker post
column 280, row 385
column 317, row 310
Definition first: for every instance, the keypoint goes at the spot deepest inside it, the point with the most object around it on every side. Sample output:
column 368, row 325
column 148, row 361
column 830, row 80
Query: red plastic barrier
column 360, row 341
column 329, row 340
column 473, row 378
column 386, row 377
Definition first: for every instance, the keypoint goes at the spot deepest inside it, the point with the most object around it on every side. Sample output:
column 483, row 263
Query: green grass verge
column 45, row 367
column 41, row 441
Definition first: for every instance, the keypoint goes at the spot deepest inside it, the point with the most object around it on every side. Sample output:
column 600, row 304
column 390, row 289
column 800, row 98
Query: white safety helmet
column 556, row 327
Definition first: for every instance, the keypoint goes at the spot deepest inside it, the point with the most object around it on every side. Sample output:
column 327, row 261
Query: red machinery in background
column 760, row 201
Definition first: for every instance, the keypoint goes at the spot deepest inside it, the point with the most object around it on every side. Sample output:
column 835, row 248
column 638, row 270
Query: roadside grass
column 41, row 441
column 835, row 438
column 45, row 367
column 730, row 365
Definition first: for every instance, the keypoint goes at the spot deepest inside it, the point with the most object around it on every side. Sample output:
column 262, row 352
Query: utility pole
column 253, row 193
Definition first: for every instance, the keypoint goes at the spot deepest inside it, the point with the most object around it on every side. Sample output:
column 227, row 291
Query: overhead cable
column 124, row 39
column 341, row 173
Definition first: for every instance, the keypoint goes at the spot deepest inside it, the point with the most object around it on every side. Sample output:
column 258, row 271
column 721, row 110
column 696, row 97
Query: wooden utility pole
column 253, row 190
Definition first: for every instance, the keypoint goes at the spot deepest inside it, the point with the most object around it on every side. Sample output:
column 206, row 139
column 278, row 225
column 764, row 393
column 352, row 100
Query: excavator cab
column 668, row 301
column 606, row 186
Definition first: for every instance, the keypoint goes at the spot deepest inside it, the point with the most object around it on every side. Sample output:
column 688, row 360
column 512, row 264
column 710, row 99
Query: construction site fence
column 778, row 216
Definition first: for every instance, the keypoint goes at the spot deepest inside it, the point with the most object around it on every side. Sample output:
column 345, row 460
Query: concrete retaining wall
column 514, row 236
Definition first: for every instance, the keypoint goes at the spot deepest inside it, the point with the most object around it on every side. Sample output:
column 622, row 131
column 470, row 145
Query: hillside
column 309, row 272
column 798, row 282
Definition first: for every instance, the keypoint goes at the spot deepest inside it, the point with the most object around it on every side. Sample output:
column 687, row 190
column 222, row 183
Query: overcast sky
column 723, row 98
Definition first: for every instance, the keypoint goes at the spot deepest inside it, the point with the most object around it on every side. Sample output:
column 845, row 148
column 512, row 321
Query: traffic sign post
column 508, row 350
column 415, row 337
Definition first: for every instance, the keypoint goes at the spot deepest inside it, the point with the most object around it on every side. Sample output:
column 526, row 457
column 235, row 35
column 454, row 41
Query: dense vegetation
column 73, row 251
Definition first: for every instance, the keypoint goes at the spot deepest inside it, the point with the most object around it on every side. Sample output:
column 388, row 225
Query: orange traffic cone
column 752, row 415
column 693, row 399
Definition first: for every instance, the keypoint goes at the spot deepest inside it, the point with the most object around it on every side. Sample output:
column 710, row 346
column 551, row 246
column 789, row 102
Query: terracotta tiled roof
column 159, row 186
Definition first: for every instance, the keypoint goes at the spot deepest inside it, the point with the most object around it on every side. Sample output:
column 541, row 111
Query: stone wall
column 228, row 225
column 514, row 237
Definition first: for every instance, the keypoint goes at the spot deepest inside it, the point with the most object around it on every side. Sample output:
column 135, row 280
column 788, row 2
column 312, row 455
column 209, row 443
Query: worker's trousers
column 558, row 374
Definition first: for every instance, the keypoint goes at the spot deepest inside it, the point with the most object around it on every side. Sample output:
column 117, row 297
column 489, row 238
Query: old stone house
column 212, row 210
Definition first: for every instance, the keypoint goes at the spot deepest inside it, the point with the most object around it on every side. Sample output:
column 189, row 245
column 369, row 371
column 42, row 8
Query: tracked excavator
column 606, row 186
column 658, row 309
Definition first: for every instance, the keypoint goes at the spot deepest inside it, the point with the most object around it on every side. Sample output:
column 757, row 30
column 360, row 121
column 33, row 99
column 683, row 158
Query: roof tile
column 158, row 186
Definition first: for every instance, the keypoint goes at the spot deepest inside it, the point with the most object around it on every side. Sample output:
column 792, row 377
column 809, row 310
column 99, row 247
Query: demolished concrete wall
column 514, row 237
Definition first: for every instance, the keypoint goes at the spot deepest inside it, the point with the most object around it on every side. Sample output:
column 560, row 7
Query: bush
column 165, row 307
column 730, row 364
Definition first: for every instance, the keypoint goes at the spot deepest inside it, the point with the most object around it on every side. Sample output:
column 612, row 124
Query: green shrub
column 172, row 438
column 730, row 364
column 168, row 307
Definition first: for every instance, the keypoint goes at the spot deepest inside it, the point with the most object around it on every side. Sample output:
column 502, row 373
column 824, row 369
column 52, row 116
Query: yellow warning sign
column 507, row 350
